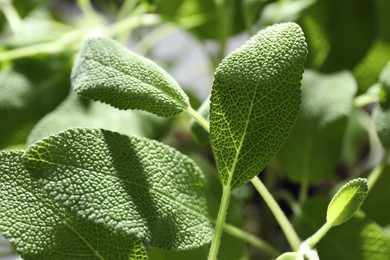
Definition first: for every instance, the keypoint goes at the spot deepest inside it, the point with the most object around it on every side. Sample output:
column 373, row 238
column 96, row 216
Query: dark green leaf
column 255, row 101
column 314, row 147
column 130, row 184
column 39, row 229
column 106, row 71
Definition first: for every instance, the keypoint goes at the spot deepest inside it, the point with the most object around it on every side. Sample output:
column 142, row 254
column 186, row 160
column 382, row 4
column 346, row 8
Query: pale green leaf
column 314, row 147
column 381, row 113
column 255, row 101
column 290, row 256
column 39, row 229
column 358, row 239
column 347, row 201
column 106, row 71
column 130, row 184
column 79, row 112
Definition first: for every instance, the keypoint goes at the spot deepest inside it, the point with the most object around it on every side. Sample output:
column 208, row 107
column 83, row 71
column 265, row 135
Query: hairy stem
column 203, row 122
column 279, row 215
column 317, row 236
column 219, row 225
column 11, row 15
column 252, row 240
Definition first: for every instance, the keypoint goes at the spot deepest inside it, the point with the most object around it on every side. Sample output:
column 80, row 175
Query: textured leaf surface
column 130, row 184
column 381, row 114
column 106, row 71
column 79, row 112
column 39, row 229
column 358, row 239
column 314, row 147
column 255, row 100
column 347, row 201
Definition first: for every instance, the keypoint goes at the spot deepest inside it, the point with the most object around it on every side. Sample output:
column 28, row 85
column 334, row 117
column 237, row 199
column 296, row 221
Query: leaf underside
column 130, row 184
column 39, row 229
column 255, row 101
column 106, row 71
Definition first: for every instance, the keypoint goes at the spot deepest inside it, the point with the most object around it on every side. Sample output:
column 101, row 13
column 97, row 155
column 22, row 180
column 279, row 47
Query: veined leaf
column 255, row 101
column 76, row 111
column 130, row 184
column 313, row 149
column 39, row 229
column 106, row 71
column 347, row 201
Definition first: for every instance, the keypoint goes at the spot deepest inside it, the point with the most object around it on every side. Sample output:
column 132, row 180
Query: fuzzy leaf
column 130, row 184
column 381, row 114
column 79, row 112
column 39, row 229
column 255, row 101
column 314, row 147
column 106, row 71
column 358, row 239
column 347, row 201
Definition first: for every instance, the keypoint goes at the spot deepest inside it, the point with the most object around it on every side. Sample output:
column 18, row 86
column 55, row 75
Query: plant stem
column 365, row 99
column 250, row 239
column 11, row 15
column 203, row 122
column 279, row 215
column 219, row 225
column 317, row 236
column 377, row 171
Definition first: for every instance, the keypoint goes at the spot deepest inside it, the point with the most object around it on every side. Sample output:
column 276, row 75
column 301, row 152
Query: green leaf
column 130, row 184
column 381, row 113
column 255, row 101
column 358, row 239
column 313, row 149
column 39, row 229
column 106, row 71
column 290, row 256
column 79, row 112
column 347, row 201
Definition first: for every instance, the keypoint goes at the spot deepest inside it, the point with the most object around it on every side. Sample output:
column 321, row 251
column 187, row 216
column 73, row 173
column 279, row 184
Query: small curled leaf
column 347, row 201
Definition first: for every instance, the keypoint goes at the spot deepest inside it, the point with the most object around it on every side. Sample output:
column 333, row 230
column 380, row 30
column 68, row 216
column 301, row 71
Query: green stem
column 219, row 225
column 377, row 172
column 11, row 15
column 279, row 215
column 365, row 99
column 317, row 236
column 203, row 122
column 251, row 239
column 284, row 223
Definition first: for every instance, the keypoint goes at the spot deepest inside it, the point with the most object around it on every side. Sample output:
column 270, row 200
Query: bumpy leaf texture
column 106, row 71
column 130, row 184
column 255, row 101
column 39, row 229
column 347, row 201
column 358, row 239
